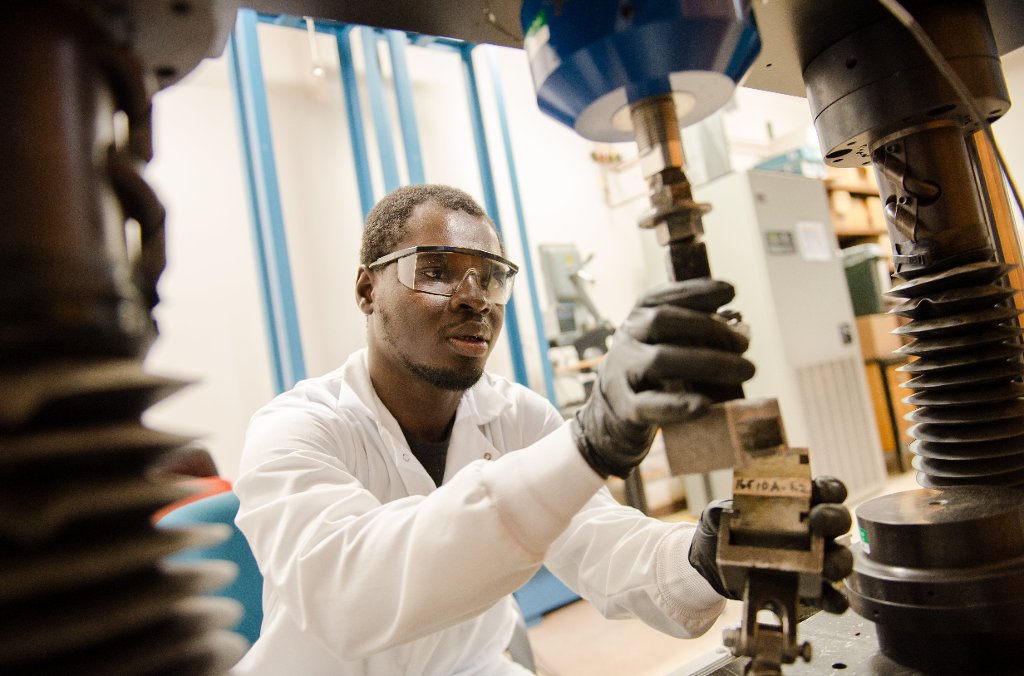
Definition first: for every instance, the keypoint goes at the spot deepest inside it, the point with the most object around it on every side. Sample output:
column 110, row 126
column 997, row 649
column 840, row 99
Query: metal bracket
column 767, row 553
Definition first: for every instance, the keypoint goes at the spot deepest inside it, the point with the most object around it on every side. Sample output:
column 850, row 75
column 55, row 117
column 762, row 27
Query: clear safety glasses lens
column 442, row 272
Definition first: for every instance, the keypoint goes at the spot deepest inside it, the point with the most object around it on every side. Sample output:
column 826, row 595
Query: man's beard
column 446, row 379
column 454, row 379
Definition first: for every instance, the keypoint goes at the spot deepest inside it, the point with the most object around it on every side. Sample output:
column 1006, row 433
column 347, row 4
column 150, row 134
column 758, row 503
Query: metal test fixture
column 76, row 319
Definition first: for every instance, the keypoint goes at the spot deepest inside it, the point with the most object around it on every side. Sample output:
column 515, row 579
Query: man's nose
column 470, row 293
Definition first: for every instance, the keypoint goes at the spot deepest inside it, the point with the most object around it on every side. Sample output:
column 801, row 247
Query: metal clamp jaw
column 765, row 549
column 767, row 553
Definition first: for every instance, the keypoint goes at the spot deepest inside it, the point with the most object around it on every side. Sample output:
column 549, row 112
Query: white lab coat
column 371, row 569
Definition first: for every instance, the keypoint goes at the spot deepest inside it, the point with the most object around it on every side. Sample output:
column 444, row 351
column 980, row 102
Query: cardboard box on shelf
column 876, row 214
column 839, row 201
column 875, row 333
column 849, row 213
column 855, row 179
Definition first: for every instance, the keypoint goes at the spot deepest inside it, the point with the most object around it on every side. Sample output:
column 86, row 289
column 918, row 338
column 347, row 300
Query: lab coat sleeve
column 363, row 576
column 627, row 564
column 631, row 565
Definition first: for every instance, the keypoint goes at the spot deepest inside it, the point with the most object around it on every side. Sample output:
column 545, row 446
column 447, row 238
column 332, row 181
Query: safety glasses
column 440, row 270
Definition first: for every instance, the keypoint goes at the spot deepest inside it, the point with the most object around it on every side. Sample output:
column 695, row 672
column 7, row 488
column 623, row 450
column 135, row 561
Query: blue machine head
column 591, row 58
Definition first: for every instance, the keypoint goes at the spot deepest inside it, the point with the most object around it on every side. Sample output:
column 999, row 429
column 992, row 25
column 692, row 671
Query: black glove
column 669, row 338
column 829, row 519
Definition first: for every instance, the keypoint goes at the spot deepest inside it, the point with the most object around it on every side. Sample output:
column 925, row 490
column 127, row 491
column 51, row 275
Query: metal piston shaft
column 674, row 215
column 966, row 366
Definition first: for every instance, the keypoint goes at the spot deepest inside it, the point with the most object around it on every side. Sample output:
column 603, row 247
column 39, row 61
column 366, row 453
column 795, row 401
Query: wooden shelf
column 865, row 188
column 856, row 208
column 868, row 232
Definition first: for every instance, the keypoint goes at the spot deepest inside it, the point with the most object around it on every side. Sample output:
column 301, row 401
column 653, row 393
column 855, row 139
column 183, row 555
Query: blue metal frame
column 378, row 106
column 538, row 320
column 354, row 111
column 406, row 110
column 265, row 203
column 483, row 158
column 270, row 240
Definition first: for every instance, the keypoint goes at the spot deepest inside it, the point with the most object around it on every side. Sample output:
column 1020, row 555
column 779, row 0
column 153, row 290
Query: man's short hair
column 388, row 221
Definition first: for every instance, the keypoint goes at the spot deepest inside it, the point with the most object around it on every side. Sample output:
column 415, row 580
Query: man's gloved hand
column 669, row 338
column 829, row 519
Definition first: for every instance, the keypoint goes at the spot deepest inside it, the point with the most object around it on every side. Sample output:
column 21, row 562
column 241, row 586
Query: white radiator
column 841, row 429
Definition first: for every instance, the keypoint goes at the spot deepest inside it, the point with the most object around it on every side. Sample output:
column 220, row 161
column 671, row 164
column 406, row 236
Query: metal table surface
column 843, row 646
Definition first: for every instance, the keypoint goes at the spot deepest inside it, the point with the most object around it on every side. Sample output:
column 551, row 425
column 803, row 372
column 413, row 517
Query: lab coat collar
column 481, row 404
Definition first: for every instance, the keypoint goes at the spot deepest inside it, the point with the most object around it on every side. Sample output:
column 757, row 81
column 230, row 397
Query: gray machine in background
column 574, row 319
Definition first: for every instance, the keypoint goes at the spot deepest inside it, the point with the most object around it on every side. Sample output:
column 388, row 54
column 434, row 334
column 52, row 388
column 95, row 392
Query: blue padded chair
column 247, row 588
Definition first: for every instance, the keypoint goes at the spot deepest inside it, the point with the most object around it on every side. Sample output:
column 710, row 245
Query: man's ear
column 364, row 290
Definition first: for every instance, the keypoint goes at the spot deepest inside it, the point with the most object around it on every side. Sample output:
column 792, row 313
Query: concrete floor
column 576, row 640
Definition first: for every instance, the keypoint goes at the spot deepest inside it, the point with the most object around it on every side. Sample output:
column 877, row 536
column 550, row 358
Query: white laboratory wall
column 211, row 318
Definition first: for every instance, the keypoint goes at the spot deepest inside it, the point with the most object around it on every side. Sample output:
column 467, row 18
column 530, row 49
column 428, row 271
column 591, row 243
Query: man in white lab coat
column 395, row 503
